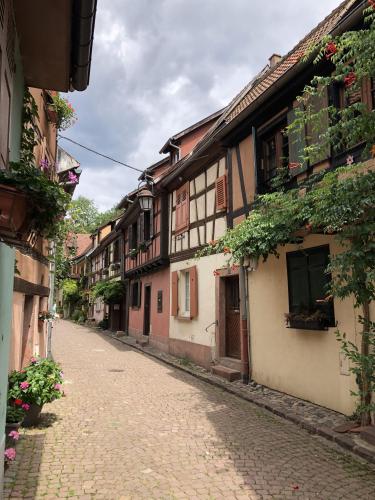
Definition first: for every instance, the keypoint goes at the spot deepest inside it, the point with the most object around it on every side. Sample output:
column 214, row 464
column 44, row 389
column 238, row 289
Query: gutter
column 83, row 25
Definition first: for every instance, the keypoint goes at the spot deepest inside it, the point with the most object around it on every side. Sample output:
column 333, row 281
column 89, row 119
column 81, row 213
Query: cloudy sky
column 161, row 65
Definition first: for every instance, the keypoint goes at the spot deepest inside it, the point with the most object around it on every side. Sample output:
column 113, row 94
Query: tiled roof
column 259, row 86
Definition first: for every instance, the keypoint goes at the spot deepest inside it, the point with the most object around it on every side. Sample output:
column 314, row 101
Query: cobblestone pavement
column 132, row 427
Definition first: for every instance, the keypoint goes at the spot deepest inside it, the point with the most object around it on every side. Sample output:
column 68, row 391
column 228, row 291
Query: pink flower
column 72, row 177
column 33, row 360
column 10, row 453
column 62, row 374
column 57, row 387
column 331, row 49
column 24, row 385
column 26, row 406
column 14, row 435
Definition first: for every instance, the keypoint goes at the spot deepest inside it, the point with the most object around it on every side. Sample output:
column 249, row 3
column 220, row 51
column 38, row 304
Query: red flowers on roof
column 331, row 49
column 372, row 3
column 294, row 165
column 350, row 79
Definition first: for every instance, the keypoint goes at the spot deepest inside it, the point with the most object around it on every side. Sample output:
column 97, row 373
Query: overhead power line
column 100, row 154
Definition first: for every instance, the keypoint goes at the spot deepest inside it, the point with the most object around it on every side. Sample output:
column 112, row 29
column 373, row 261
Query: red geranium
column 372, row 3
column 350, row 79
column 294, row 165
column 18, row 402
column 331, row 48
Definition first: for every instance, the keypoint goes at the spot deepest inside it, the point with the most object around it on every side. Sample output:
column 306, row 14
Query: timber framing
column 28, row 288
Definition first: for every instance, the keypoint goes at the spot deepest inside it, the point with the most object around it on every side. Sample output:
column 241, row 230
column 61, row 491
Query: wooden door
column 147, row 311
column 115, row 317
column 27, row 333
column 232, row 318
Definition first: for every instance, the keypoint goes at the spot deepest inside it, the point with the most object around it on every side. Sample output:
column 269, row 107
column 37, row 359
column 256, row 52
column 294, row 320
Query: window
column 160, row 301
column 133, row 236
column 307, row 284
column 185, row 293
column 135, row 296
column 116, row 251
column 147, row 225
column 182, row 208
column 274, row 152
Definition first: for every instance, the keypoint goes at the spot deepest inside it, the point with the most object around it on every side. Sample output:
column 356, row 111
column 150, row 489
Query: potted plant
column 15, row 415
column 66, row 116
column 305, row 320
column 38, row 383
column 144, row 246
column 133, row 253
column 29, row 200
column 105, row 271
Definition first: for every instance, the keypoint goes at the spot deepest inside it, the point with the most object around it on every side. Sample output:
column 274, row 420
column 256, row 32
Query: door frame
column 220, row 307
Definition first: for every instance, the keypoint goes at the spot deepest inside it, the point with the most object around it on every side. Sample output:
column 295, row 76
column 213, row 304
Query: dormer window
column 175, row 155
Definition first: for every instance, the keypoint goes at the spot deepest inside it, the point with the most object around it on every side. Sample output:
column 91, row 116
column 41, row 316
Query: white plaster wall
column 193, row 330
column 303, row 363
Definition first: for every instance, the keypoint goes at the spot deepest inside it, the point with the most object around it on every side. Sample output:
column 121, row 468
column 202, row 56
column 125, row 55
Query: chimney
column 274, row 59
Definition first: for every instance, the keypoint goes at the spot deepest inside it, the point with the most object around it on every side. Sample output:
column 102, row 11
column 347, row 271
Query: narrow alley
column 131, row 427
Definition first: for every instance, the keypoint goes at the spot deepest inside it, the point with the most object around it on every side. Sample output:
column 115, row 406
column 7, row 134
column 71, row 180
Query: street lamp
column 145, row 198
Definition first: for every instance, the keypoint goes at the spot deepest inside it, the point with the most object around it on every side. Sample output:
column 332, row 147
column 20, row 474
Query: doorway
column 232, row 318
column 27, row 330
column 147, row 311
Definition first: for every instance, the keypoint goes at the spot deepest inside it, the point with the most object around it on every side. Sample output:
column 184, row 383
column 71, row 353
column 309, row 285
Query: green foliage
column 71, row 293
column 44, row 379
column 66, row 116
column 28, row 134
column 111, row 292
column 15, row 414
column 103, row 324
column 48, row 200
column 76, row 315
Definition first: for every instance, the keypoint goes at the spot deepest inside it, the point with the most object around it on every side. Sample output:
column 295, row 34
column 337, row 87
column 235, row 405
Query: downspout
column 245, row 360
column 51, row 298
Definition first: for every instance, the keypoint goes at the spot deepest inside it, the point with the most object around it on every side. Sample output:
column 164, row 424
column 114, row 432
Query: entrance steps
column 228, row 368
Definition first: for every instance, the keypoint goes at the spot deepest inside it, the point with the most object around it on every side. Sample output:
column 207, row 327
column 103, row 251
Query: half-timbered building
column 300, row 359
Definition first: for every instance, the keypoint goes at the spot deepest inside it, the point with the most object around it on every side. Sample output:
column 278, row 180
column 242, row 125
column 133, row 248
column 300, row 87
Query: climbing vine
column 340, row 203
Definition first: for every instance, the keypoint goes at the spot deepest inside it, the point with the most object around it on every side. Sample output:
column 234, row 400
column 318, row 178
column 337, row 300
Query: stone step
column 143, row 341
column 232, row 363
column 227, row 373
column 368, row 434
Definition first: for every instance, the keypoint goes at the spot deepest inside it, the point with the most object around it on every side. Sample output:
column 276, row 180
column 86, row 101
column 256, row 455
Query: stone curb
column 343, row 440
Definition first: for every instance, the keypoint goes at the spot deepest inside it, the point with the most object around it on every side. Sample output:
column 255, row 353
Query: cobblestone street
column 133, row 428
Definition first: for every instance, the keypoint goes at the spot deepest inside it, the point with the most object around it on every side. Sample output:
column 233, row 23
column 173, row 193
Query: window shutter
column 141, row 226
column 152, row 222
column 193, row 292
column 317, row 103
column 130, row 237
column 174, row 304
column 298, row 283
column 182, row 208
column 296, row 143
column 221, row 192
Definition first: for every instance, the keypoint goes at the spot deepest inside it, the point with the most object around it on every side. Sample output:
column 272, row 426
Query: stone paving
column 132, row 427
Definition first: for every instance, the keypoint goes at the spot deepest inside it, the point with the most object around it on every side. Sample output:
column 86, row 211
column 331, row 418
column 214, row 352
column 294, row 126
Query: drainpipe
column 7, row 260
column 51, row 298
column 244, row 324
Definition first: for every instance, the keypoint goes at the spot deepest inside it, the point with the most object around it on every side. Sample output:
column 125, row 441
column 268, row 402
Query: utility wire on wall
column 100, row 154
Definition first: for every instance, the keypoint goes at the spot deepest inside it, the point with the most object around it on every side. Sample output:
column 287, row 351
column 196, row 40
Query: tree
column 82, row 215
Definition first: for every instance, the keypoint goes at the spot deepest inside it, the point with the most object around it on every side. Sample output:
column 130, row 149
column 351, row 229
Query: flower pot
column 317, row 324
column 32, row 416
column 15, row 223
column 11, row 426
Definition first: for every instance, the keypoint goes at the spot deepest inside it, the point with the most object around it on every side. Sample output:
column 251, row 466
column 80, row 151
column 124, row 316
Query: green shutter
column 296, row 144
column 319, row 102
column 298, row 282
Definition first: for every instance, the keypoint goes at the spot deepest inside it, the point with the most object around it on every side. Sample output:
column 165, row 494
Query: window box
column 15, row 221
column 144, row 246
column 133, row 253
column 308, row 324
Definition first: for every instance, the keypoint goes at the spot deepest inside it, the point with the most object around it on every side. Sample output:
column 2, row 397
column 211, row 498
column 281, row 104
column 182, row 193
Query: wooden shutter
column 141, row 227
column 152, row 222
column 319, row 102
column 130, row 237
column 182, row 208
column 174, row 301
column 221, row 192
column 296, row 143
column 193, row 292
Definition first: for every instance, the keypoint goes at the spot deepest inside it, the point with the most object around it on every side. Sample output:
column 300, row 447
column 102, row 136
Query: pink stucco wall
column 159, row 321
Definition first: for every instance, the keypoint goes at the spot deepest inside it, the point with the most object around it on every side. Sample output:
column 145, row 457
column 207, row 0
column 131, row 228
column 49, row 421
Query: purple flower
column 57, row 387
column 44, row 164
column 72, row 177
column 62, row 374
column 26, row 406
column 10, row 453
column 14, row 435
column 24, row 385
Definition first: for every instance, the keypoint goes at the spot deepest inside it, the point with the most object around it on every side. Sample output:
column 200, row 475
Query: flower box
column 15, row 222
column 300, row 324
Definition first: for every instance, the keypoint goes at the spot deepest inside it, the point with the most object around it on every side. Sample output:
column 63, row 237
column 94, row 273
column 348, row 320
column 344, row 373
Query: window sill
column 184, row 318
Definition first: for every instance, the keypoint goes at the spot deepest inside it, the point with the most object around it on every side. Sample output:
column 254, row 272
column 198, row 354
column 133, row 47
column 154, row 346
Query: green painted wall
column 16, row 112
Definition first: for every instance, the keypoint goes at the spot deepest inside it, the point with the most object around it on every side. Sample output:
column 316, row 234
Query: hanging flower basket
column 51, row 112
column 15, row 220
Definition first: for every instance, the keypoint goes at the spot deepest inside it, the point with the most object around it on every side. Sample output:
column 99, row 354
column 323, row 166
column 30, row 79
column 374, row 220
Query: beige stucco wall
column 303, row 363
column 193, row 330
